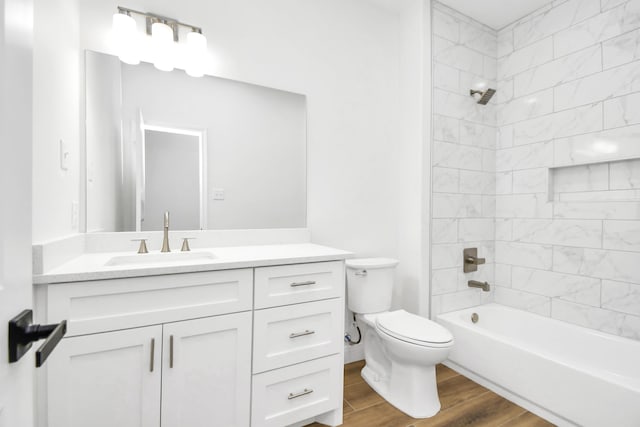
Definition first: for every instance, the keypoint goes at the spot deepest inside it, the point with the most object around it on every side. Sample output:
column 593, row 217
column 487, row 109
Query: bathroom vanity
column 245, row 336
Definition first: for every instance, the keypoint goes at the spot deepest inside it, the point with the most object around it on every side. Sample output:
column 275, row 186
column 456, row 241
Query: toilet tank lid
column 371, row 263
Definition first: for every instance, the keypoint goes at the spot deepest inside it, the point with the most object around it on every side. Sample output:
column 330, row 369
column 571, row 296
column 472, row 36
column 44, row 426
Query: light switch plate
column 64, row 156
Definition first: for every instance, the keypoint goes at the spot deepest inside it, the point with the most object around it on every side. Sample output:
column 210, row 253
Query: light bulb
column 163, row 46
column 125, row 38
column 196, row 54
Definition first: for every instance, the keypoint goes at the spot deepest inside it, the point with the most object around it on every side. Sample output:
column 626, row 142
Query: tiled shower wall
column 464, row 144
column 567, row 210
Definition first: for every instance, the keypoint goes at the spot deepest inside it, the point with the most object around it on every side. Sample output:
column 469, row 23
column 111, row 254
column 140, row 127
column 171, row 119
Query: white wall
column 56, row 116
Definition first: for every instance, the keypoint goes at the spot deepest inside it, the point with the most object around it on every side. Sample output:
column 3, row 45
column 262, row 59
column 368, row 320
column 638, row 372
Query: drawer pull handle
column 361, row 273
column 171, row 351
column 307, row 283
column 152, row 354
column 301, row 334
column 300, row 394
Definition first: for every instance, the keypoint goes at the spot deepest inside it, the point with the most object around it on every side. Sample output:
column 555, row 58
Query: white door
column 106, row 380
column 16, row 35
column 207, row 372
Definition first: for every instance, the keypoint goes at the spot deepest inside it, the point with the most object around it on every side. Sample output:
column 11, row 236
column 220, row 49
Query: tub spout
column 482, row 285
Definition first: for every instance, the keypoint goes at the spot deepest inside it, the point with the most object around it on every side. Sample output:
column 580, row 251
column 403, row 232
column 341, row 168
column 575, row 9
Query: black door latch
column 22, row 334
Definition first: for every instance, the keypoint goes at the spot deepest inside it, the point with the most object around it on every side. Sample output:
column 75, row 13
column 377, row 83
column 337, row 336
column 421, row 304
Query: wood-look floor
column 464, row 403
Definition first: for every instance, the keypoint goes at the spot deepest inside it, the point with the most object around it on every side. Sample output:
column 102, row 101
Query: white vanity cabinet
column 255, row 347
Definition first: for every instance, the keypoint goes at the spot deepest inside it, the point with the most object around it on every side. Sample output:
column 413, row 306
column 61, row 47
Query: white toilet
column 401, row 349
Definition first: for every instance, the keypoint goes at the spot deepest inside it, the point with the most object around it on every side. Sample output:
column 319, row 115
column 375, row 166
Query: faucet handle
column 143, row 246
column 185, row 244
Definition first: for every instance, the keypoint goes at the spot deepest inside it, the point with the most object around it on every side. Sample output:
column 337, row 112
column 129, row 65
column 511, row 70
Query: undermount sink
column 159, row 258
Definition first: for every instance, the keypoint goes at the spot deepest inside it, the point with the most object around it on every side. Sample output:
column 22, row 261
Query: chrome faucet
column 482, row 285
column 165, row 240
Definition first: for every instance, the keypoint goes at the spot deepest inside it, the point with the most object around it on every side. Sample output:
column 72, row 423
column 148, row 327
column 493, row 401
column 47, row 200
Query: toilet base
column 411, row 389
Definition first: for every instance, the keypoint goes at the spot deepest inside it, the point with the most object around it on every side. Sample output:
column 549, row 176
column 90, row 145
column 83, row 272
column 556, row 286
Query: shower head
column 484, row 97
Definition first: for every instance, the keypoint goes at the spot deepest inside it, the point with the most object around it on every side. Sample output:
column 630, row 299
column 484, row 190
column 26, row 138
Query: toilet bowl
column 401, row 349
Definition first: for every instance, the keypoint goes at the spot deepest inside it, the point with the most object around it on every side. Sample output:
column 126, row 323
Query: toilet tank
column 370, row 284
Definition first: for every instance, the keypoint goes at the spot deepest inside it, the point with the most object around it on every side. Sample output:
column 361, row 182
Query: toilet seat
column 413, row 329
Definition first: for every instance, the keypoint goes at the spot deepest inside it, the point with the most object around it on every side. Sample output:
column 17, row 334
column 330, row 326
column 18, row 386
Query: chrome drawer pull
column 302, row 393
column 307, row 283
column 361, row 273
column 152, row 354
column 301, row 334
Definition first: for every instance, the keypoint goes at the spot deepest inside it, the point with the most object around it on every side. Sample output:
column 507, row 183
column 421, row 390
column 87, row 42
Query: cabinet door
column 106, row 380
column 207, row 372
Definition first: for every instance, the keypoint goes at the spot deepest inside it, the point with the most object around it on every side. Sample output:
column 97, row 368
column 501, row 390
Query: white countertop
column 92, row 266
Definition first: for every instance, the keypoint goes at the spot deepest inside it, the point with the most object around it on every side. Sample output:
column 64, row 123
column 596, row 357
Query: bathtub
column 568, row 374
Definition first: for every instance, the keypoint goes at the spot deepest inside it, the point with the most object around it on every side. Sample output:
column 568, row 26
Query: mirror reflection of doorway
column 172, row 179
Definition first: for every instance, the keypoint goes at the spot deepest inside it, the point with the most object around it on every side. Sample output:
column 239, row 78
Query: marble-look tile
column 558, row 125
column 531, row 180
column 623, row 297
column 478, row 135
column 622, row 111
column 490, row 68
column 459, row 57
column 503, row 275
column 457, row 106
column 505, row 42
column 444, row 281
column 527, row 107
column 505, row 137
column 597, row 210
column 446, row 128
column 596, row 318
column 445, row 180
column 581, row 178
column 446, row 255
column 480, row 39
column 581, row 233
column 456, row 205
column 553, row 20
column 523, row 206
column 525, row 58
column 445, row 26
column 525, row 157
column 440, row 45
column 476, row 229
column 609, row 4
column 608, row 145
column 488, row 206
column 562, row 70
column 444, row 230
column 504, row 182
column 603, row 26
column 621, row 235
column 472, row 182
column 505, row 91
column 598, row 87
column 450, row 155
column 446, row 78
column 524, row 254
column 584, row 290
column 504, row 229
column 624, row 175
column 602, row 196
column 523, row 300
column 456, row 301
column 621, row 50
column 489, row 162
column 603, row 264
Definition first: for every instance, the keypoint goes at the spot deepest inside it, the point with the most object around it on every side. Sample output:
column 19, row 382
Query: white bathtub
column 568, row 374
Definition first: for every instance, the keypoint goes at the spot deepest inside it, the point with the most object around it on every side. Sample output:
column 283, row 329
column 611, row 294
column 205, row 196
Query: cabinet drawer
column 291, row 284
column 289, row 395
column 292, row 334
column 107, row 305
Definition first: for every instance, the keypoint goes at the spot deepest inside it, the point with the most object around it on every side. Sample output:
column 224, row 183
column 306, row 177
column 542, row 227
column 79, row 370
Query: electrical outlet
column 218, row 193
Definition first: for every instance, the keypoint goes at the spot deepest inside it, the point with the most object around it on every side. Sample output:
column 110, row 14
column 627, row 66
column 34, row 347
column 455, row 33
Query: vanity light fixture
column 165, row 38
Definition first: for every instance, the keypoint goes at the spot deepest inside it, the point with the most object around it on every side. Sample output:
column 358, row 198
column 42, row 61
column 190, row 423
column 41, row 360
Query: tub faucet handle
column 471, row 260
